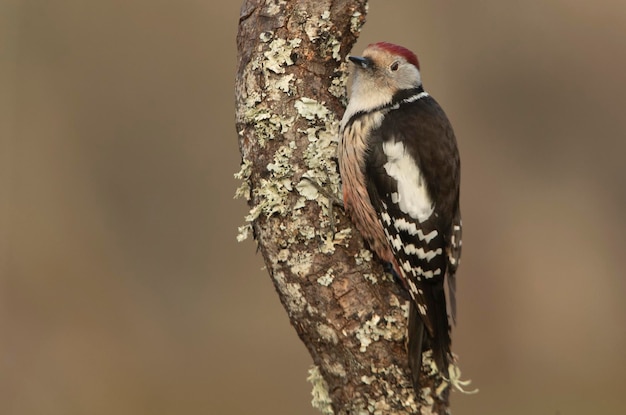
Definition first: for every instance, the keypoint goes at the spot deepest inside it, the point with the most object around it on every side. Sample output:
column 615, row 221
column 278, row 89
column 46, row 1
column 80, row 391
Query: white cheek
column 412, row 196
column 409, row 77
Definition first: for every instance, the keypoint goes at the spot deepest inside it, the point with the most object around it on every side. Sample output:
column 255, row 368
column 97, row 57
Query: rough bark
column 290, row 94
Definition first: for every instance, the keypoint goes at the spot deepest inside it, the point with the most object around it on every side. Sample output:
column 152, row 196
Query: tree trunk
column 351, row 316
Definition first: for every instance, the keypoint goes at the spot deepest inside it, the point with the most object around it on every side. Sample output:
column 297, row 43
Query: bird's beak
column 361, row 61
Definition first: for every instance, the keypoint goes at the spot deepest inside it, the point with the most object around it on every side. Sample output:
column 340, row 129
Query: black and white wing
column 412, row 166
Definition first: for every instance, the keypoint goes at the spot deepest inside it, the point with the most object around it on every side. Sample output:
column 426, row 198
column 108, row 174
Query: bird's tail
column 438, row 340
column 415, row 342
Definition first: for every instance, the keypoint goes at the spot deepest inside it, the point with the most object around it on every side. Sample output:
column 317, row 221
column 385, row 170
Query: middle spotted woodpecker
column 400, row 171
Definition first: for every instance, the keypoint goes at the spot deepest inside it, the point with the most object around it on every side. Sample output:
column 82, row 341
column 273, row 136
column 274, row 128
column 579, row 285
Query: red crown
column 398, row 50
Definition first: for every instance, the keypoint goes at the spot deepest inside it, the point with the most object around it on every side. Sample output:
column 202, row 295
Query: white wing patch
column 411, row 249
column 410, row 227
column 421, row 253
column 412, row 196
column 419, row 272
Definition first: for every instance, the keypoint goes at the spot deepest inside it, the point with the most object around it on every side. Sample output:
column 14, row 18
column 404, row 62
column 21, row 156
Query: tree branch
column 290, row 92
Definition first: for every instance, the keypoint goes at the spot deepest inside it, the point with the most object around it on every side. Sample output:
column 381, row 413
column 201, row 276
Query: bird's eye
column 394, row 66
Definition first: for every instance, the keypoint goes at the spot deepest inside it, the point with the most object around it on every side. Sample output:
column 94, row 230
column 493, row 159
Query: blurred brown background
column 123, row 291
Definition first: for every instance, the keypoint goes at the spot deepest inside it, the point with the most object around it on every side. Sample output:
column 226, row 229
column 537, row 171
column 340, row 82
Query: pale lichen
column 383, row 382
column 327, row 278
column 308, row 232
column 267, row 125
column 281, row 165
column 313, row 27
column 391, row 327
column 320, row 32
column 307, row 189
column 266, row 36
column 266, row 81
column 284, row 84
column 293, row 231
column 274, row 7
column 339, row 83
column 279, row 54
column 311, row 109
column 336, row 369
column 243, row 232
column 394, row 301
column 370, row 277
column 296, row 302
column 369, row 332
column 243, row 191
column 319, row 155
column 300, row 263
column 364, row 255
column 427, row 400
column 457, row 383
column 319, row 158
column 327, row 333
column 356, row 21
column 283, row 255
column 331, row 240
column 368, row 379
column 321, row 398
column 271, row 195
column 429, row 366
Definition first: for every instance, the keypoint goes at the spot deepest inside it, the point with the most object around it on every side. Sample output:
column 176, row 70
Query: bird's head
column 382, row 71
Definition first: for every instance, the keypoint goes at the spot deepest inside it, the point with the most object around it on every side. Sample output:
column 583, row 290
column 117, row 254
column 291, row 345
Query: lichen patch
column 321, row 398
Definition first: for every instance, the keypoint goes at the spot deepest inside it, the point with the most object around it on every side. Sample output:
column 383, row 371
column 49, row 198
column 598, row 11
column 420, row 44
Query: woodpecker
column 400, row 170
